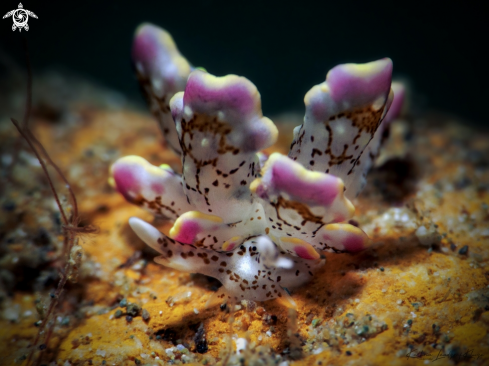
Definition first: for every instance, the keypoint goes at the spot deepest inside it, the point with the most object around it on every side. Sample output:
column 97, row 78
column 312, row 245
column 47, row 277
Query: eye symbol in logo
column 20, row 17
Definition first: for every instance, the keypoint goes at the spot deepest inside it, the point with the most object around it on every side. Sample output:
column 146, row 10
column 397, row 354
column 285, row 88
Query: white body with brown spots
column 245, row 273
column 256, row 224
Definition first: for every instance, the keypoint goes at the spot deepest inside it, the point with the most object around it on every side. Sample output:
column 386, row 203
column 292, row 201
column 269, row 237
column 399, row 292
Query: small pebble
column 145, row 315
column 133, row 309
column 464, row 250
column 129, row 318
column 8, row 206
column 202, row 347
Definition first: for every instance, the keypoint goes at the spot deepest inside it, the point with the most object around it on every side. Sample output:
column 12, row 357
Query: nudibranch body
column 249, row 272
column 257, row 224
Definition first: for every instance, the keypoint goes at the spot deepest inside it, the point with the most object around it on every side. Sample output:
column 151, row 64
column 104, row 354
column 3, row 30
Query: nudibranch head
column 255, row 270
column 257, row 224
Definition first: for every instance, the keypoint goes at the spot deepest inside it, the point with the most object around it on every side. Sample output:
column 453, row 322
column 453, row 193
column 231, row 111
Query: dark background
column 283, row 47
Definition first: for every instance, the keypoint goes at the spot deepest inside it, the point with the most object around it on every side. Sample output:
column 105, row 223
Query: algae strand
column 69, row 261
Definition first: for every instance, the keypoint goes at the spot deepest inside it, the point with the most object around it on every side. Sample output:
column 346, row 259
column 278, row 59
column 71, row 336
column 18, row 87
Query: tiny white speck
column 157, row 85
column 240, row 344
column 100, row 352
column 188, row 111
column 357, row 300
column 161, row 312
column 196, row 311
column 384, row 290
column 340, row 129
column 378, row 103
column 324, row 89
column 436, row 274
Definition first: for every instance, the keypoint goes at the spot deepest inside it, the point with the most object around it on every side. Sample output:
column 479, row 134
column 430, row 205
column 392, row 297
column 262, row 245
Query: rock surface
column 420, row 293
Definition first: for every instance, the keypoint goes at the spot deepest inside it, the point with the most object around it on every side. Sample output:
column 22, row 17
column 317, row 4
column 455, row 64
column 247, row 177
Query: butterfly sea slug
column 256, row 223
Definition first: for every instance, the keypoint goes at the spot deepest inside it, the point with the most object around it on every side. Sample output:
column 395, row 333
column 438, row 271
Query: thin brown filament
column 58, row 170
column 44, row 168
column 69, row 227
column 28, row 103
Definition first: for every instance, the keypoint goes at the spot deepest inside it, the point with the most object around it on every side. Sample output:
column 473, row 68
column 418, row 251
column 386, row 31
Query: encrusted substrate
column 421, row 287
